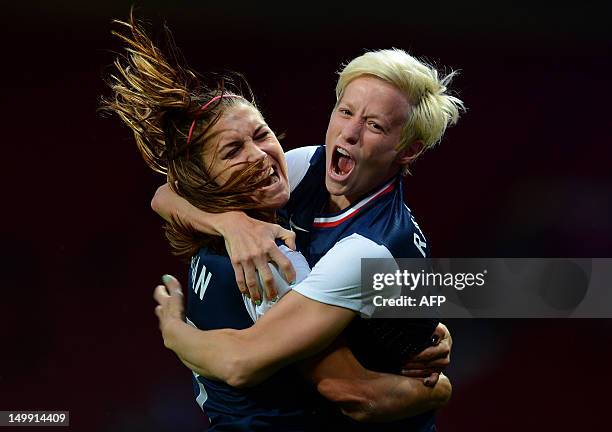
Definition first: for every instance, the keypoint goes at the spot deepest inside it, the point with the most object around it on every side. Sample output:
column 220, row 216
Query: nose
column 254, row 153
column 352, row 130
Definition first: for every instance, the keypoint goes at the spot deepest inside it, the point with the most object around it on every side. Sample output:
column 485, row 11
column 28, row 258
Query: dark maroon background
column 525, row 173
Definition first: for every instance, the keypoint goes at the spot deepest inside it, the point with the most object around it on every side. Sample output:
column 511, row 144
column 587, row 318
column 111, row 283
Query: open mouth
column 342, row 163
column 272, row 177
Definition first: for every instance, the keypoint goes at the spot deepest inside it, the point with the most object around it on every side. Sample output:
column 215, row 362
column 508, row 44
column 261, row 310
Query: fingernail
column 258, row 302
column 275, row 298
column 166, row 278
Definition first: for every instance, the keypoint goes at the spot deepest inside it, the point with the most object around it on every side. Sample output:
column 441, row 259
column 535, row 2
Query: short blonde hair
column 433, row 110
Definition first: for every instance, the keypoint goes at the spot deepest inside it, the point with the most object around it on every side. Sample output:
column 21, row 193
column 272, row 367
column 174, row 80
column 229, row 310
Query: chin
column 275, row 202
column 334, row 188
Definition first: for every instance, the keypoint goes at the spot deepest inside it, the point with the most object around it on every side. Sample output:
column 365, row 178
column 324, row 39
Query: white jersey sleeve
column 302, row 269
column 298, row 162
column 336, row 278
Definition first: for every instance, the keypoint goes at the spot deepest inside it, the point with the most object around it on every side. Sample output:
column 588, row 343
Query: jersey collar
column 332, row 221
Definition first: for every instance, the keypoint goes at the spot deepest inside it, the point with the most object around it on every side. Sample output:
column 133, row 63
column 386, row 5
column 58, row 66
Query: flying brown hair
column 158, row 99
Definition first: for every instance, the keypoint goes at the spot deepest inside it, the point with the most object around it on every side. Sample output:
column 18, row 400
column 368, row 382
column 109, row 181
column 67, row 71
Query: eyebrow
column 258, row 128
column 380, row 117
column 238, row 142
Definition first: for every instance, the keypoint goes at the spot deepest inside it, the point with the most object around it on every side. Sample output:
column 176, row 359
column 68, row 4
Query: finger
column 432, row 380
column 288, row 237
column 441, row 332
column 239, row 275
column 283, row 264
column 432, row 353
column 158, row 311
column 174, row 306
column 172, row 284
column 416, row 373
column 267, row 280
column 435, row 339
column 250, row 276
column 160, row 294
column 437, row 365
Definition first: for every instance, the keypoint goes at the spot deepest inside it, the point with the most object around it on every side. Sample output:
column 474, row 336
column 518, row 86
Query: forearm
column 399, row 397
column 172, row 207
column 294, row 329
column 212, row 354
column 369, row 396
column 227, row 355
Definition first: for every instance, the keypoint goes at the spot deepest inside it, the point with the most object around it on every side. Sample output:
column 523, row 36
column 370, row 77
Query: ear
column 410, row 153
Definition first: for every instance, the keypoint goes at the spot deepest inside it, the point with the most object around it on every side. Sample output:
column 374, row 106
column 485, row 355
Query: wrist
column 222, row 223
column 169, row 329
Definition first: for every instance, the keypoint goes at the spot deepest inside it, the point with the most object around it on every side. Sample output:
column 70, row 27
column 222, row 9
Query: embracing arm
column 250, row 243
column 385, row 397
column 369, row 396
column 171, row 206
column 302, row 323
column 246, row 357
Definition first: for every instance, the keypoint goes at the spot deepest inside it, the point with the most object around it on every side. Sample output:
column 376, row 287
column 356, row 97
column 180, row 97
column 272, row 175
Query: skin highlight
column 367, row 124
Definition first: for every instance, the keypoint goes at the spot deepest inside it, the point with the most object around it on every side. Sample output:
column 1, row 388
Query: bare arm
column 170, row 206
column 246, row 357
column 385, row 398
column 368, row 396
column 250, row 243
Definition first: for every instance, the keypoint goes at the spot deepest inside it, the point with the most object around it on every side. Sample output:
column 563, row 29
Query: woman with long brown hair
column 208, row 137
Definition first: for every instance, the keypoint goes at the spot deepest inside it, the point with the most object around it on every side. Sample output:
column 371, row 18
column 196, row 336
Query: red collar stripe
column 329, row 222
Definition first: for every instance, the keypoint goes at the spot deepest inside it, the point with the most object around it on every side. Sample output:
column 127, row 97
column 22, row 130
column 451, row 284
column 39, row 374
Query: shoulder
column 298, row 163
column 357, row 246
column 336, row 278
column 205, row 263
column 413, row 243
column 398, row 230
column 213, row 298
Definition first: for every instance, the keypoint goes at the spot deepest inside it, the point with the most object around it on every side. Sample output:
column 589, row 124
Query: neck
column 337, row 203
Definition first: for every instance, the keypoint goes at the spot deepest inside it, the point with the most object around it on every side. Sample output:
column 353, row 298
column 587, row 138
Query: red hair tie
column 206, row 105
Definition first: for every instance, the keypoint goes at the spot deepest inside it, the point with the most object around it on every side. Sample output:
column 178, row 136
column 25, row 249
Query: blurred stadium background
column 525, row 174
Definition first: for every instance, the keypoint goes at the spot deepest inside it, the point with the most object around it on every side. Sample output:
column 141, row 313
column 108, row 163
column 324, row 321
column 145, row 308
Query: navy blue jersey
column 381, row 216
column 278, row 404
column 380, row 220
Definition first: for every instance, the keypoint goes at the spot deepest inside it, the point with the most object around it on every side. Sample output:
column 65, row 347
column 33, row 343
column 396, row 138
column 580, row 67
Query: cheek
column 332, row 128
column 275, row 150
column 221, row 172
column 378, row 159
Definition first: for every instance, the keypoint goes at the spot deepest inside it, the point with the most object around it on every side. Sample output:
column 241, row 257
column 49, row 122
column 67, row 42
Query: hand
column 251, row 245
column 430, row 362
column 384, row 397
column 169, row 299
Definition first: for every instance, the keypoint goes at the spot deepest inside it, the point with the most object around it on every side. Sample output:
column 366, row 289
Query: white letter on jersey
column 202, row 283
column 420, row 244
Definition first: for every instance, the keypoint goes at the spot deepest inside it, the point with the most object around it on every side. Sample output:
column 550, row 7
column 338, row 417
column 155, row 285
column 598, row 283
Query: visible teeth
column 271, row 171
column 342, row 152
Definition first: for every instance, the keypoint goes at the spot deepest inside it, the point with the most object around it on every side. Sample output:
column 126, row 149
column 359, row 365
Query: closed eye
column 262, row 136
column 233, row 152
